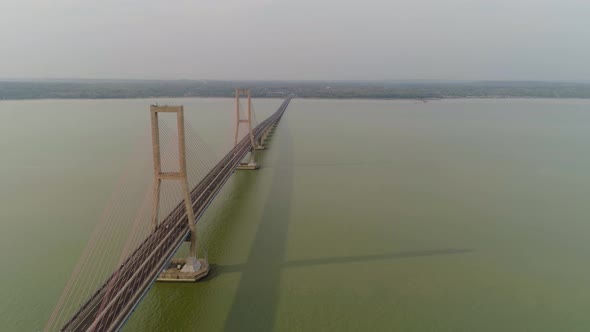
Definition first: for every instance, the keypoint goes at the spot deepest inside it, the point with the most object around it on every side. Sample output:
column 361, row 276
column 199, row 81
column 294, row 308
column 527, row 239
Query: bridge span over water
column 112, row 304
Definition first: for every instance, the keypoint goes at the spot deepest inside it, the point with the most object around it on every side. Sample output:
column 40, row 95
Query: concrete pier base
column 248, row 166
column 191, row 265
column 260, row 147
column 179, row 270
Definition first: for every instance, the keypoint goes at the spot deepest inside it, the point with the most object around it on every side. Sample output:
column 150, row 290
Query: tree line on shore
column 103, row 89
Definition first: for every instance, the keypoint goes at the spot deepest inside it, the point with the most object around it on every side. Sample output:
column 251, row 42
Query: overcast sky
column 296, row 39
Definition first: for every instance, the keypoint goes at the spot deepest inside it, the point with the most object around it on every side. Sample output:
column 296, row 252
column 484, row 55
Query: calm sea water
column 455, row 215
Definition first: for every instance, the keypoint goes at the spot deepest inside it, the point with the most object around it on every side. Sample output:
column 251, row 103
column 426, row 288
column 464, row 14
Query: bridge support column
column 251, row 165
column 192, row 264
column 260, row 146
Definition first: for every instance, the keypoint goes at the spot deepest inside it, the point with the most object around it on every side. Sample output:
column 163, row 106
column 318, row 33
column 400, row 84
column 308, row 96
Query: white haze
column 296, row 39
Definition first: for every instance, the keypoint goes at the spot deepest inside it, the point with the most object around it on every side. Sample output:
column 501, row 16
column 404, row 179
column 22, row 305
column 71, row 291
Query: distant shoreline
column 421, row 91
column 306, row 98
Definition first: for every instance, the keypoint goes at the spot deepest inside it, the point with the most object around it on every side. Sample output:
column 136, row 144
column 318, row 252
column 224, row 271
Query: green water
column 456, row 215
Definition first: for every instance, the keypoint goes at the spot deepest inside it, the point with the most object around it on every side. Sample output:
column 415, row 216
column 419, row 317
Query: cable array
column 126, row 220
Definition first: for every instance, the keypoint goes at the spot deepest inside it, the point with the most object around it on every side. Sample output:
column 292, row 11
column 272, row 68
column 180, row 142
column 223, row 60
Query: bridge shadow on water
column 217, row 269
column 340, row 164
column 256, row 298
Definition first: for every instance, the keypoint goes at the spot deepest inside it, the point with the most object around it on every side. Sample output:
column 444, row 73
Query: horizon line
column 407, row 80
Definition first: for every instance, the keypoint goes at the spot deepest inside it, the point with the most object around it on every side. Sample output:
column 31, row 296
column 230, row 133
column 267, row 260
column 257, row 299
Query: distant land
column 409, row 89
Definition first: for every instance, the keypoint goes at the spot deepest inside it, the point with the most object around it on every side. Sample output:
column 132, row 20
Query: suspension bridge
column 146, row 258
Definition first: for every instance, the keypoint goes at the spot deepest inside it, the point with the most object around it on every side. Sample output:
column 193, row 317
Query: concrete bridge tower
column 251, row 165
column 192, row 264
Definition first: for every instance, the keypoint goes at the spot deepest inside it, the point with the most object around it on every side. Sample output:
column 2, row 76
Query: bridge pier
column 174, row 272
column 251, row 164
column 260, row 142
column 248, row 167
column 193, row 267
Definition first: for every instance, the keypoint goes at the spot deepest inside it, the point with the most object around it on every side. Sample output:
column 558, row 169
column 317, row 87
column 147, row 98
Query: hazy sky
column 296, row 39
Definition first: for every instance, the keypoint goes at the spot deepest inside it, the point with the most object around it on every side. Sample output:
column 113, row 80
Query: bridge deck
column 113, row 303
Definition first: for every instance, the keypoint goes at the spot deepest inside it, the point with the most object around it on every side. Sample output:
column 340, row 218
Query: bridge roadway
column 112, row 304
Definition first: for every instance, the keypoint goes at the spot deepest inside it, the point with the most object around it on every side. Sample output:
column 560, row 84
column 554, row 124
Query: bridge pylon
column 192, row 264
column 256, row 145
